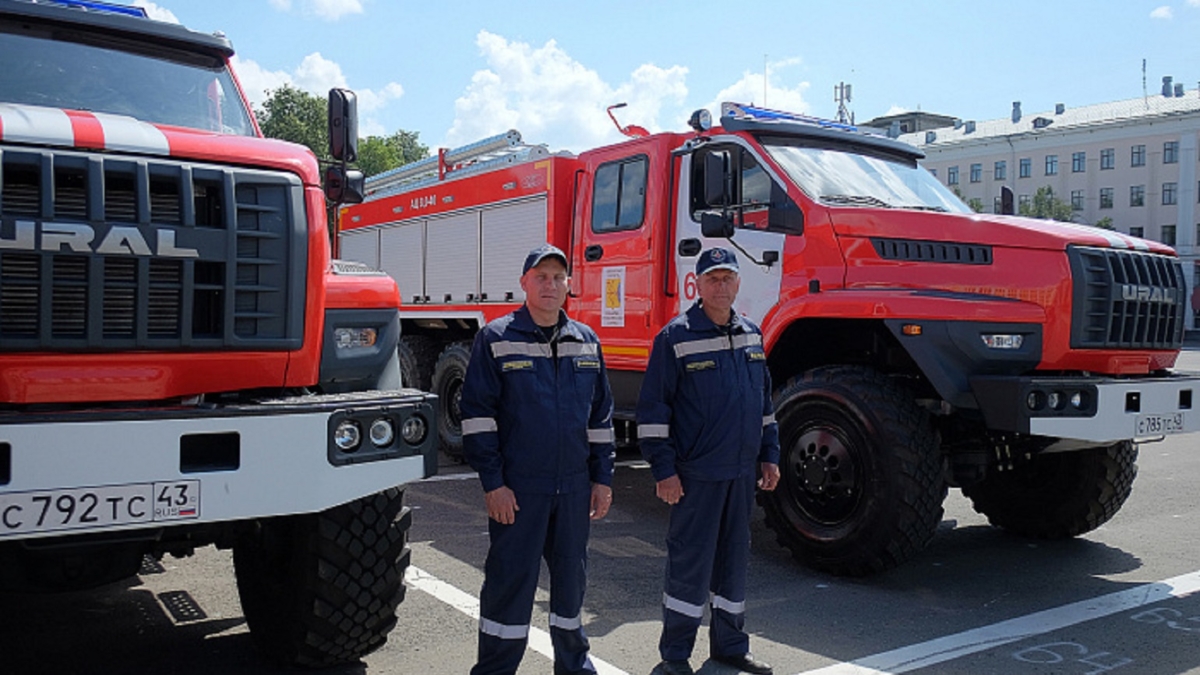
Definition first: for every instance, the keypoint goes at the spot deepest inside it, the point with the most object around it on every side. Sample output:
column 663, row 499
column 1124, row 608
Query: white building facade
column 1134, row 162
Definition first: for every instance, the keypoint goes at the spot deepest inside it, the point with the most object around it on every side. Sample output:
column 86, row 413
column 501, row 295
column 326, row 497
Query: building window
column 1170, row 193
column 1078, row 162
column 976, row 173
column 933, row 172
column 1108, row 158
column 952, row 176
column 1137, row 231
column 996, row 207
column 1051, row 165
column 1026, row 169
column 1170, row 152
column 1106, row 198
column 1022, row 203
column 1168, row 235
column 1137, row 156
column 1077, row 200
column 1137, row 195
column 1001, row 170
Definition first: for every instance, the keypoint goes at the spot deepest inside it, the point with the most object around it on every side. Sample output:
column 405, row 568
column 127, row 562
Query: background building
column 1132, row 162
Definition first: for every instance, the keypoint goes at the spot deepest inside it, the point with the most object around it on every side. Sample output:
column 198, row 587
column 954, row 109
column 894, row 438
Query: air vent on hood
column 915, row 250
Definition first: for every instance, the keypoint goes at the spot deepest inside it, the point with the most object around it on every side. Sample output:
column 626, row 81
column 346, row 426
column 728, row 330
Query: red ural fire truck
column 915, row 345
column 181, row 362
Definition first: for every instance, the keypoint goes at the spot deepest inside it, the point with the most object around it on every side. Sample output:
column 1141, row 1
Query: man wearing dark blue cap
column 537, row 427
column 707, row 427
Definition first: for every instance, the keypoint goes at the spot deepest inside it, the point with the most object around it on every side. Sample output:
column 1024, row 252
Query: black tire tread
column 418, row 355
column 451, row 365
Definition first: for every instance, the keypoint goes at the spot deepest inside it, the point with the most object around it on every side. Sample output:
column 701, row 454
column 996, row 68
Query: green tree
column 294, row 115
column 377, row 154
column 1046, row 205
column 1104, row 223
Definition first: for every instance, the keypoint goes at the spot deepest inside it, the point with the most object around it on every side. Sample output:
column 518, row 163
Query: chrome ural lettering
column 81, row 238
column 1151, row 294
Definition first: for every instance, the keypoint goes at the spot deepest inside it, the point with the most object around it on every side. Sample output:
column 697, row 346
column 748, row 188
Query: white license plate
column 1152, row 424
column 85, row 508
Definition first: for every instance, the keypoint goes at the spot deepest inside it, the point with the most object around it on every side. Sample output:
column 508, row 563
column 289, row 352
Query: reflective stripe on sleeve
column 691, row 347
column 565, row 623
column 654, row 431
column 768, row 419
column 746, row 340
column 604, row 435
column 478, row 425
column 503, row 631
column 510, row 348
column 728, row 605
column 680, row 607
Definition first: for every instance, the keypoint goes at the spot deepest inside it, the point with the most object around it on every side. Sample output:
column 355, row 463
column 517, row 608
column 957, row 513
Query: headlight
column 382, row 432
column 347, row 436
column 413, row 430
column 345, row 338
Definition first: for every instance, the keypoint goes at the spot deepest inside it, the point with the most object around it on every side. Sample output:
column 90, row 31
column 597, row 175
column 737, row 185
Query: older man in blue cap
column 537, row 426
column 707, row 427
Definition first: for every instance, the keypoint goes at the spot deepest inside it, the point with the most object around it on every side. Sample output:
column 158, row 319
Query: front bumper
column 1094, row 409
column 240, row 461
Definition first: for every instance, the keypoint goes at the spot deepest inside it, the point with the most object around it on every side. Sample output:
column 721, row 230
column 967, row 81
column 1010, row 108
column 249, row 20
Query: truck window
column 757, row 201
column 57, row 68
column 619, row 195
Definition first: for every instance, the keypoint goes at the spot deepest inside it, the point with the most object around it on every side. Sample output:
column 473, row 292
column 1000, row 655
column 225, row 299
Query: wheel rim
column 824, row 475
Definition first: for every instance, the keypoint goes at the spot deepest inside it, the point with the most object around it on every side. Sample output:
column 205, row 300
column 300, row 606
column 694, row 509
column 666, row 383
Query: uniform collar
column 523, row 321
column 698, row 320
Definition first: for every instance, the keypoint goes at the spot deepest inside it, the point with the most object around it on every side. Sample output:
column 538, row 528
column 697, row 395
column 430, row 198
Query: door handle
column 689, row 247
column 593, row 253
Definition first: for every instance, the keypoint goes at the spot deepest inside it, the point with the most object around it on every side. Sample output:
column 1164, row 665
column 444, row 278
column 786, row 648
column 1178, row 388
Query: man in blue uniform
column 707, row 427
column 537, row 426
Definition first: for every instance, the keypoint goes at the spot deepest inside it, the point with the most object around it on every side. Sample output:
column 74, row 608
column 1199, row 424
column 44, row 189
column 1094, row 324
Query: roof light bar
column 751, row 112
column 104, row 7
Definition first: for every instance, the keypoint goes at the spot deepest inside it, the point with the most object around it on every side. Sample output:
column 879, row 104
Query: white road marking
column 539, row 640
column 988, row 637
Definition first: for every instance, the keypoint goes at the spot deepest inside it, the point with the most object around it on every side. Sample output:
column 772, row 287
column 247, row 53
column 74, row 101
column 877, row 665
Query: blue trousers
column 550, row 527
column 708, row 549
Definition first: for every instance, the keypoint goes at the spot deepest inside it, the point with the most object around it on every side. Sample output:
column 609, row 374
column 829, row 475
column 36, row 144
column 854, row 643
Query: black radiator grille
column 103, row 253
column 1126, row 299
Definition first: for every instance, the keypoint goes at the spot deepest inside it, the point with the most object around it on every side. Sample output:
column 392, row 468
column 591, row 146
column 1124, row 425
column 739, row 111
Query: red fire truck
column 915, row 345
column 181, row 362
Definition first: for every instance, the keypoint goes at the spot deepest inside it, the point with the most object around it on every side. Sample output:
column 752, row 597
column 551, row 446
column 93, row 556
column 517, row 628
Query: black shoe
column 745, row 663
column 673, row 668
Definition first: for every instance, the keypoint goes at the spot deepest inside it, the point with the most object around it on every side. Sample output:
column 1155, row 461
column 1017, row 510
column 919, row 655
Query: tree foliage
column 377, row 154
column 1046, row 205
column 1104, row 223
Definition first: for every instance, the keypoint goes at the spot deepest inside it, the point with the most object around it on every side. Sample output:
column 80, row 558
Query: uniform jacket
column 535, row 422
column 705, row 408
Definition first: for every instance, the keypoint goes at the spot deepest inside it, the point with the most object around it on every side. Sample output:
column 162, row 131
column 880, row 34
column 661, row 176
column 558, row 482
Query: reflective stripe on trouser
column 708, row 548
column 554, row 527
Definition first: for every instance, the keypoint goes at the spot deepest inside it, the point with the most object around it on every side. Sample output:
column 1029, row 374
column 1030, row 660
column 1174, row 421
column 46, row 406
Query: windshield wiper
column 857, row 200
column 924, row 207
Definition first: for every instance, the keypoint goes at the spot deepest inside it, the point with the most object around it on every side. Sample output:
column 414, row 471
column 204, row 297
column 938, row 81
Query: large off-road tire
column 322, row 589
column 1058, row 495
column 862, row 483
column 417, row 354
column 447, row 385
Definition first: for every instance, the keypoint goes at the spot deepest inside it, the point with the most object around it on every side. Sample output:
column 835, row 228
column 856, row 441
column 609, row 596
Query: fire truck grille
column 1126, row 299
column 102, row 253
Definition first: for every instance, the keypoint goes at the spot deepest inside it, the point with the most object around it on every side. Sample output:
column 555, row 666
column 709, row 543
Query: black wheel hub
column 825, row 475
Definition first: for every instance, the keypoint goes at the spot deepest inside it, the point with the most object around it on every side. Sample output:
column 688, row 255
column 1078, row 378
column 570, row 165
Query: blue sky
column 459, row 70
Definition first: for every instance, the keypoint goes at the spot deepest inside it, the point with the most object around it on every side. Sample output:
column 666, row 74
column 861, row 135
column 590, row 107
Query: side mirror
column 715, row 226
column 344, row 186
column 343, row 125
column 716, row 179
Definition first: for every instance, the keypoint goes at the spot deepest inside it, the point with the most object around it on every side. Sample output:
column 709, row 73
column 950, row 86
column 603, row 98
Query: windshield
column 38, row 67
column 835, row 176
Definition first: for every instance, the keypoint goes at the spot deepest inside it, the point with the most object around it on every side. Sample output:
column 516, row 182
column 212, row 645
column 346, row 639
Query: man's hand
column 770, row 476
column 670, row 490
column 601, row 500
column 501, row 505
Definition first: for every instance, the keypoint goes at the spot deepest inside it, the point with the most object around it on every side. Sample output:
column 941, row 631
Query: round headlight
column 1035, row 400
column 1078, row 400
column 382, row 432
column 1057, row 400
column 413, row 430
column 347, row 436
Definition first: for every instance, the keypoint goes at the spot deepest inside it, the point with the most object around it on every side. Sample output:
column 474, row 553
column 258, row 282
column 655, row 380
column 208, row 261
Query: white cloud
column 317, row 75
column 329, row 10
column 1194, row 3
column 1163, row 12
column 894, row 110
column 554, row 99
column 155, row 12
column 777, row 94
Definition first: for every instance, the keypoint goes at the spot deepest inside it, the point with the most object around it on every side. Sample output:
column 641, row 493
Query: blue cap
column 716, row 259
column 540, row 253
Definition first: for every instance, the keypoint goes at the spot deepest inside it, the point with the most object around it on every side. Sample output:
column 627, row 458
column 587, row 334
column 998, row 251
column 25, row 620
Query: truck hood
column 56, row 127
column 994, row 230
